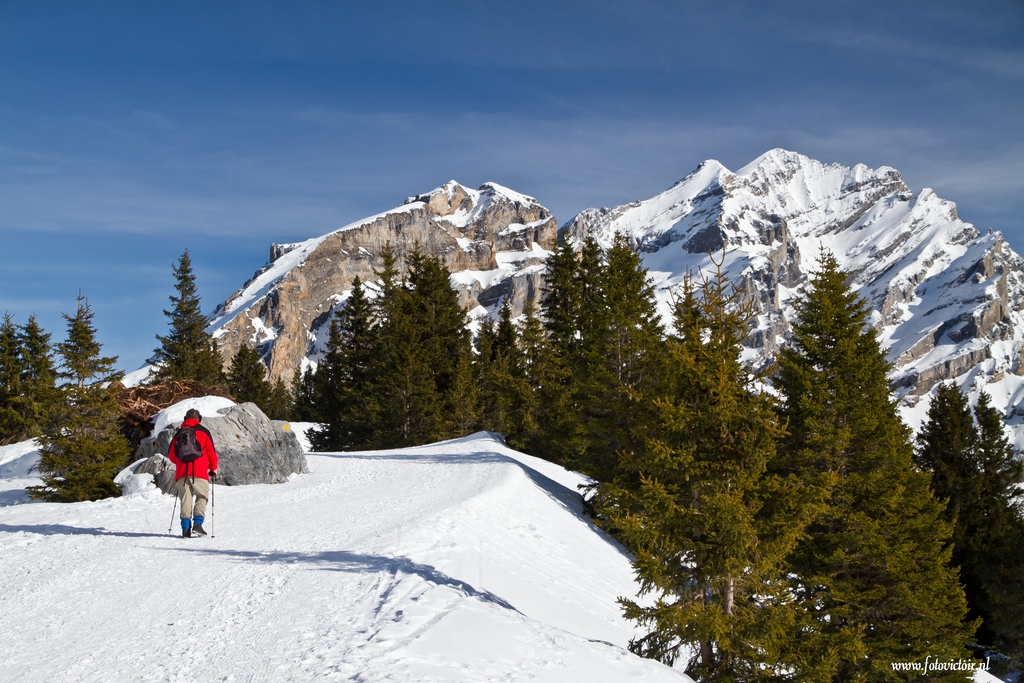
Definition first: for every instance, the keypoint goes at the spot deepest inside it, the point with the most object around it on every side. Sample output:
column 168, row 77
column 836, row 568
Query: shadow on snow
column 65, row 530
column 345, row 561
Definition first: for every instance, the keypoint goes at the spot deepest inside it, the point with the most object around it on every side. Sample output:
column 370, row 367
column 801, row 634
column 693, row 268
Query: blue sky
column 130, row 131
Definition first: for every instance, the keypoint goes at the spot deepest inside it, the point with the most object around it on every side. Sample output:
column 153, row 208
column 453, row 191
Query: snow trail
column 459, row 561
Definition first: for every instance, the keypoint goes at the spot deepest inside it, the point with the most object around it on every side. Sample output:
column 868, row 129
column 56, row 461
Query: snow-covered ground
column 459, row 561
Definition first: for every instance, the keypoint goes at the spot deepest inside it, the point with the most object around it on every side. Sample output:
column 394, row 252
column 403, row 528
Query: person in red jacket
column 192, row 477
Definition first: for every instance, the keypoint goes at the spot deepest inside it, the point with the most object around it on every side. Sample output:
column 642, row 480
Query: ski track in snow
column 461, row 561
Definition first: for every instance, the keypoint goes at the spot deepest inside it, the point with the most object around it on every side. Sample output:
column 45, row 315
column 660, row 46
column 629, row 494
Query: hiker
column 195, row 462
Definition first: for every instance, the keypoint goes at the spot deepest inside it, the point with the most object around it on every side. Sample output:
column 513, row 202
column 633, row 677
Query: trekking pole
column 213, row 509
column 173, row 510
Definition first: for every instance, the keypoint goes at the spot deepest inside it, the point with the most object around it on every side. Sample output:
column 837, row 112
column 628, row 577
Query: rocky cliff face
column 494, row 240
column 948, row 301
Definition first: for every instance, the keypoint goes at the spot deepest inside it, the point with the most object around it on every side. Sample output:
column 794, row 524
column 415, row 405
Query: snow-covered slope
column 459, row 561
column 948, row 301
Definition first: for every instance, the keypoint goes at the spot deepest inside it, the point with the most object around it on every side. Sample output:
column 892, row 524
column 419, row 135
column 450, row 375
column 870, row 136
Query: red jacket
column 200, row 467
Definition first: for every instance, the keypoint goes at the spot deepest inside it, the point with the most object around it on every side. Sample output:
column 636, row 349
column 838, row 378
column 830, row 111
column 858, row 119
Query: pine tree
column 549, row 410
column 422, row 354
column 505, row 392
column 562, row 304
column 411, row 411
column 709, row 526
column 874, row 571
column 602, row 322
column 303, row 397
column 573, row 309
column 592, row 310
column 974, row 470
column 82, row 448
column 188, row 351
column 80, row 352
column 38, row 377
column 435, row 309
column 12, row 422
column 279, row 403
column 1000, row 532
column 344, row 382
column 621, row 363
column 506, row 336
column 466, row 408
column 247, row 377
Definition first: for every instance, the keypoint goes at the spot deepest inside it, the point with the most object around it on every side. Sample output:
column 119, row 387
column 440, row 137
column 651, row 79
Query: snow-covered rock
column 251, row 448
column 132, row 481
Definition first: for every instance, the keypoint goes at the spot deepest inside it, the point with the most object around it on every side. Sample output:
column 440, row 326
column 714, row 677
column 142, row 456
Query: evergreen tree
column 549, row 409
column 303, row 392
column 505, row 392
column 602, row 322
column 188, row 351
column 874, row 569
column 279, row 402
column 435, row 309
column 38, row 377
column 248, row 382
column 621, row 363
column 974, row 470
column 422, row 355
column 12, row 422
column 80, row 352
column 465, row 399
column 82, row 448
column 506, row 336
column 573, row 312
column 247, row 377
column 344, row 382
column 562, row 305
column 592, row 305
column 411, row 411
column 709, row 526
column 998, row 543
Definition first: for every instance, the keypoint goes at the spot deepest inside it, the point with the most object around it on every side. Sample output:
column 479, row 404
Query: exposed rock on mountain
column 947, row 300
column 493, row 239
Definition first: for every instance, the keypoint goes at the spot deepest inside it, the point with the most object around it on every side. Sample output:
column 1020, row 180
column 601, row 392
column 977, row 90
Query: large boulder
column 252, row 449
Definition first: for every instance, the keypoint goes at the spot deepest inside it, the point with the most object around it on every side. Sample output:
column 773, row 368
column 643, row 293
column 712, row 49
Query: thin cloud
column 1000, row 62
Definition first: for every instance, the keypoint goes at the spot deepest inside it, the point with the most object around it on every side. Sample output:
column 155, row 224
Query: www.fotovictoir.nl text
column 929, row 665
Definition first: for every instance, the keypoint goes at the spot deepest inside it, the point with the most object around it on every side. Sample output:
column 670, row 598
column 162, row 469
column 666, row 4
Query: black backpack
column 186, row 445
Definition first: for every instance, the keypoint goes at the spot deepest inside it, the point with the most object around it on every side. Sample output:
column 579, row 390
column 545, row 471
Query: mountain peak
column 944, row 297
column 493, row 237
column 775, row 159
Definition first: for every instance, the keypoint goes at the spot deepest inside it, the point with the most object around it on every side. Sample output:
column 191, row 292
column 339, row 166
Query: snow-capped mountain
column 947, row 299
column 493, row 239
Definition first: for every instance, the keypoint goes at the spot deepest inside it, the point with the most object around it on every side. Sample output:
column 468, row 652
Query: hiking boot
column 186, row 533
column 198, row 530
